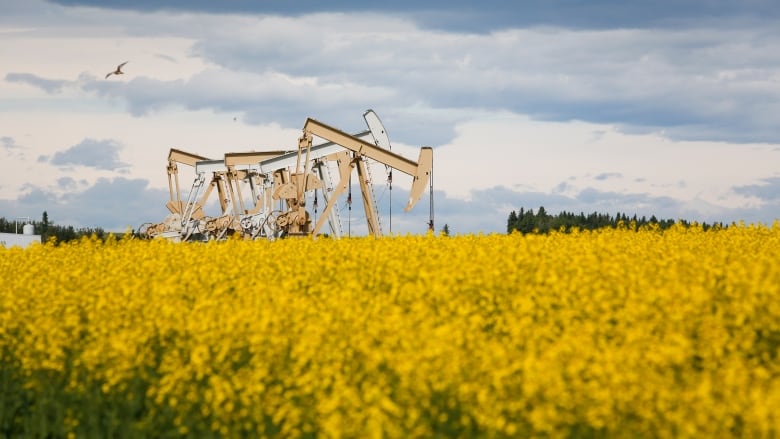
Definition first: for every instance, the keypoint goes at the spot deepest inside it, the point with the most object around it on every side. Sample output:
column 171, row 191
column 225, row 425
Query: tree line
column 49, row 230
column 523, row 221
column 528, row 221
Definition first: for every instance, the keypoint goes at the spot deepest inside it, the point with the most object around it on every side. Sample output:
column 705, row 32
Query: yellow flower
column 616, row 332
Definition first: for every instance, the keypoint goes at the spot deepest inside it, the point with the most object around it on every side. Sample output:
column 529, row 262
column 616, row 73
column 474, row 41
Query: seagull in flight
column 118, row 70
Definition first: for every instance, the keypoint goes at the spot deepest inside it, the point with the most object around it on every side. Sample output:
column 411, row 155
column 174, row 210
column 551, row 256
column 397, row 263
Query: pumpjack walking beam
column 239, row 166
column 420, row 171
column 176, row 156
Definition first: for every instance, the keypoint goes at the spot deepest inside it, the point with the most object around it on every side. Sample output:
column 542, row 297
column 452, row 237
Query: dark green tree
column 511, row 222
column 44, row 226
column 542, row 222
column 526, row 222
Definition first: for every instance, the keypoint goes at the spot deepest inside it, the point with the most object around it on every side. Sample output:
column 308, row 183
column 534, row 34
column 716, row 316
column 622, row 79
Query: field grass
column 611, row 333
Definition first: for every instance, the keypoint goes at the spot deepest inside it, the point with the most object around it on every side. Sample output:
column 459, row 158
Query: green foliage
column 526, row 221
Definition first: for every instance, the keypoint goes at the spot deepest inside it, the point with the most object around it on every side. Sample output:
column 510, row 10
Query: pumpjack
column 288, row 178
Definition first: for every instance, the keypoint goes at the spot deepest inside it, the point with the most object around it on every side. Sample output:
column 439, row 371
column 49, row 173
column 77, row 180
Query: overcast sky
column 665, row 108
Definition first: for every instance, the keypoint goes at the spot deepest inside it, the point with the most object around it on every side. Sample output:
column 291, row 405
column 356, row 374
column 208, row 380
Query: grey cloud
column 8, row 143
column 608, row 175
column 143, row 95
column 112, row 204
column 12, row 149
column 36, row 196
column 66, row 183
column 98, row 154
column 708, row 80
column 631, row 203
column 270, row 97
column 497, row 14
column 769, row 190
column 50, row 86
column 766, row 214
column 691, row 82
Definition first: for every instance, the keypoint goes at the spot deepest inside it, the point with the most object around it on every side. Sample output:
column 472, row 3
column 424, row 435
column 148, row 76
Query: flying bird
column 118, row 70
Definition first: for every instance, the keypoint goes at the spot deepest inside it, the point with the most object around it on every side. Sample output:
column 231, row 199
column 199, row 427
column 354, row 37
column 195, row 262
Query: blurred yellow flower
column 613, row 333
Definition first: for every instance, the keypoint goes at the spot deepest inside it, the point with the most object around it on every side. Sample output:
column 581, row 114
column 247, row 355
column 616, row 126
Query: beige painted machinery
column 265, row 194
column 354, row 155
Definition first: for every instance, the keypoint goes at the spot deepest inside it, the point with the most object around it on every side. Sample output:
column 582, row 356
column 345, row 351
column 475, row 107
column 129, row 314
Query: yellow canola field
column 612, row 333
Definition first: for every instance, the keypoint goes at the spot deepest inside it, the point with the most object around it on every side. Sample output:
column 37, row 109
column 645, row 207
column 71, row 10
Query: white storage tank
column 16, row 239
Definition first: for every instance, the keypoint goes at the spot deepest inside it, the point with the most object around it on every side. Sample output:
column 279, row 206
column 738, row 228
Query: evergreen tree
column 542, row 222
column 511, row 223
column 526, row 222
column 44, row 226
